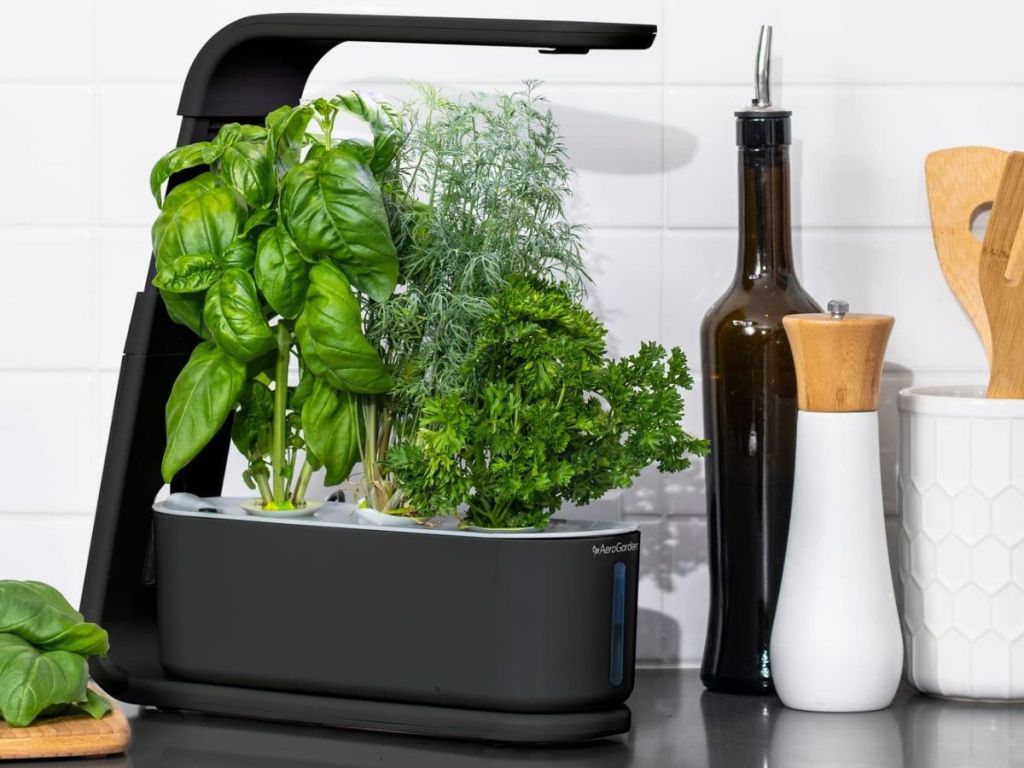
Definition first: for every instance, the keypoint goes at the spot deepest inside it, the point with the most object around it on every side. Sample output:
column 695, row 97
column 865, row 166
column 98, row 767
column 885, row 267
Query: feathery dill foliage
column 485, row 182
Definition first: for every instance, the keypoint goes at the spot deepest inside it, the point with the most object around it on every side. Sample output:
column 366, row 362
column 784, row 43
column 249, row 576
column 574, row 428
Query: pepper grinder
column 836, row 644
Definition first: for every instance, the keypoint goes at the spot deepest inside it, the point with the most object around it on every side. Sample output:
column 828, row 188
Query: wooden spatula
column 960, row 181
column 1001, row 286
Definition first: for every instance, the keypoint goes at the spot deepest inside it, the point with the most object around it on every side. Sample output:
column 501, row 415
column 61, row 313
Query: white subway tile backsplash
column 624, row 267
column 48, row 291
column 124, row 164
column 613, row 138
column 698, row 267
column 858, row 151
column 123, row 256
column 653, row 626
column 37, row 47
column 686, row 586
column 46, row 547
column 872, row 41
column 894, row 272
column 48, row 167
column 48, row 455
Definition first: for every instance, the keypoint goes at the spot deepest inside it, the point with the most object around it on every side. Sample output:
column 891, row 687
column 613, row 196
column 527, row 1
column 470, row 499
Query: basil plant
column 267, row 255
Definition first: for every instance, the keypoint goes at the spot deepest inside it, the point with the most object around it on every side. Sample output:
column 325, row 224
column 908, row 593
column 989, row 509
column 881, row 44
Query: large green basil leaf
column 181, row 196
column 39, row 613
column 281, row 272
column 385, row 124
column 300, row 394
column 33, row 680
column 287, row 127
column 204, row 394
column 185, row 309
column 330, row 335
column 247, row 168
column 331, row 426
column 197, row 219
column 253, row 425
column 178, row 159
column 233, row 315
column 187, row 273
column 376, row 280
column 231, row 133
column 333, row 205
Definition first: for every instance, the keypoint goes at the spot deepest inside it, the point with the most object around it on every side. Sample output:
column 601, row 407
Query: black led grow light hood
column 247, row 69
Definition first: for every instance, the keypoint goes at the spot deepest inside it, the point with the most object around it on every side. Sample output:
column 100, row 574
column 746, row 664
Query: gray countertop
column 675, row 723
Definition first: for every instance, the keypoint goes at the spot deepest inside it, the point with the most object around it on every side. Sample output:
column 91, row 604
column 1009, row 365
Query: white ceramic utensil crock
column 961, row 482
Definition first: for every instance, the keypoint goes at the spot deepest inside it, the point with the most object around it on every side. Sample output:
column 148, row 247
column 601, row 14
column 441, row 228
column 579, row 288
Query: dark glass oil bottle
column 750, row 414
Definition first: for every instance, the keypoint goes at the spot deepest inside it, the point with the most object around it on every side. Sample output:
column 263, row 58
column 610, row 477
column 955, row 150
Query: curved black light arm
column 258, row 63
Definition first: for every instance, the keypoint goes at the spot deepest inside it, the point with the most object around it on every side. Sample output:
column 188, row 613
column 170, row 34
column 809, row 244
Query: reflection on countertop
column 675, row 723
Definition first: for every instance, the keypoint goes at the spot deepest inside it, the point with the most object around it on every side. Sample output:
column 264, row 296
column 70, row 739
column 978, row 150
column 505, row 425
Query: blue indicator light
column 618, row 622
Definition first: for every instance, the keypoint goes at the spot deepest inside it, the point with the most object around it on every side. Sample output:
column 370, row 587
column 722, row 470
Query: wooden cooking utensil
column 961, row 180
column 1003, row 297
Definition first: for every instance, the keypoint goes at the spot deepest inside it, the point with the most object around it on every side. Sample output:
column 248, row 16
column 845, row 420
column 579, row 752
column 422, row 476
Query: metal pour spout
column 762, row 69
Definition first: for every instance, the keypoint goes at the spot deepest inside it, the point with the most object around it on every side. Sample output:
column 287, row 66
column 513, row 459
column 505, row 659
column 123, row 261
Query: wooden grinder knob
column 838, row 358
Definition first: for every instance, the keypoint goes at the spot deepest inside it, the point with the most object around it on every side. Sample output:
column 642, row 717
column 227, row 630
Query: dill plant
column 478, row 197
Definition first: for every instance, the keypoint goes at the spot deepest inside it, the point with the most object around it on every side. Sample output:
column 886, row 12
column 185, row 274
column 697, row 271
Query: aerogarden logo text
column 615, row 549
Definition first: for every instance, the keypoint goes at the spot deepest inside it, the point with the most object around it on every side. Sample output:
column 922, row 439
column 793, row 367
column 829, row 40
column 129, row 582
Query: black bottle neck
column 766, row 243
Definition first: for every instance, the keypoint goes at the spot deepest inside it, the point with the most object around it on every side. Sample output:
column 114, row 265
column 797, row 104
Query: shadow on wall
column 894, row 378
column 625, row 144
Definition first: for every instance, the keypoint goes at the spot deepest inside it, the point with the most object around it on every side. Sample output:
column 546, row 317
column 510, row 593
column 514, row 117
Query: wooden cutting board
column 76, row 735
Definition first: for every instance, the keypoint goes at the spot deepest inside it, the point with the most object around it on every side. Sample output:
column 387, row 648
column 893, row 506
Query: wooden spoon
column 960, row 181
column 1001, row 286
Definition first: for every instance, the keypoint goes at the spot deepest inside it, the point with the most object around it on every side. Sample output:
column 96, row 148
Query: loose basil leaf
column 330, row 424
column 281, row 272
column 203, row 220
column 287, row 130
column 247, row 168
column 38, row 613
column 233, row 315
column 32, row 680
column 178, row 159
column 204, row 394
column 384, row 121
column 252, row 428
column 187, row 273
column 185, row 309
column 330, row 335
column 333, row 204
column 241, row 253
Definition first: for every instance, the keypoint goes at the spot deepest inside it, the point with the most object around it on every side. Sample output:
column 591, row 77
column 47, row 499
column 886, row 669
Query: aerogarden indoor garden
column 519, row 636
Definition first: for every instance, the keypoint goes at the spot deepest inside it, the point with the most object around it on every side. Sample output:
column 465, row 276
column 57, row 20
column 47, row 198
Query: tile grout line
column 666, row 229
column 97, row 438
column 662, row 645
